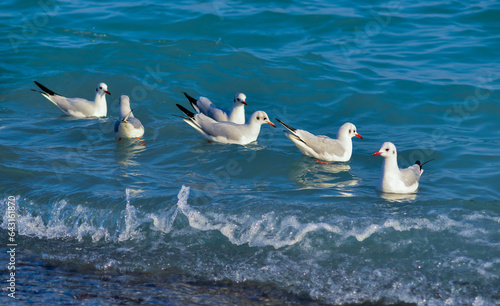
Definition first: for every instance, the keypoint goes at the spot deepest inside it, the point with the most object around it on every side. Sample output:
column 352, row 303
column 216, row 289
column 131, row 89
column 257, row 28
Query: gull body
column 127, row 126
column 78, row 107
column 323, row 147
column 205, row 106
column 394, row 179
column 227, row 132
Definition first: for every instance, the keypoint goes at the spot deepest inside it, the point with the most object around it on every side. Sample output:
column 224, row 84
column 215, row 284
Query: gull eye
column 258, row 118
column 387, row 150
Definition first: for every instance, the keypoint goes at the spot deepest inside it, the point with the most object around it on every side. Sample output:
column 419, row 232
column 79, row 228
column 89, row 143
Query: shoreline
column 45, row 281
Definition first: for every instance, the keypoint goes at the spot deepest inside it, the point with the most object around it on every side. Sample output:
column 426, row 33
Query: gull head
column 348, row 129
column 240, row 99
column 261, row 118
column 102, row 89
column 125, row 103
column 388, row 149
column 125, row 110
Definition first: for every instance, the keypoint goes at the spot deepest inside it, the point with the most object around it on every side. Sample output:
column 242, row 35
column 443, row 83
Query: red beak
column 107, row 92
column 377, row 153
column 244, row 102
column 359, row 136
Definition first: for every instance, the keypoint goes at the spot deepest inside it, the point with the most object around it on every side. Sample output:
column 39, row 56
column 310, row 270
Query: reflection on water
column 309, row 174
column 398, row 197
column 127, row 150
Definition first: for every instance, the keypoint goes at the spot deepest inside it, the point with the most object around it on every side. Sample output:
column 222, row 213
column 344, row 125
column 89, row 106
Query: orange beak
column 270, row 123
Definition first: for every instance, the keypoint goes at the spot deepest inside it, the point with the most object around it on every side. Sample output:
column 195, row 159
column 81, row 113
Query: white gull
column 78, row 107
column 226, row 132
column 205, row 106
column 128, row 126
column 394, row 179
column 323, row 147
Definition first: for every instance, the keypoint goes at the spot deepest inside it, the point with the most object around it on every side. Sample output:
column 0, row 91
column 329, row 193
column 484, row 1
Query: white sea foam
column 267, row 230
column 132, row 222
column 163, row 221
column 277, row 230
column 441, row 223
column 66, row 221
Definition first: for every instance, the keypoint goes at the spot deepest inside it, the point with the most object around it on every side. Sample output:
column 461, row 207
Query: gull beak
column 244, row 102
column 377, row 153
column 359, row 136
column 107, row 92
column 270, row 123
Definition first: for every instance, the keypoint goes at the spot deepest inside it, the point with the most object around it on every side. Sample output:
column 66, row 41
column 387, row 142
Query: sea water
column 181, row 220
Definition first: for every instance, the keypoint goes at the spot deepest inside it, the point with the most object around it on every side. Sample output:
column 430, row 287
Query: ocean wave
column 269, row 228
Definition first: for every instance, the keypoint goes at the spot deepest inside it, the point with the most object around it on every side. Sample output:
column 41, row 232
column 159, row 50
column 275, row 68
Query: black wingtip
column 190, row 99
column 185, row 111
column 45, row 89
column 286, row 125
column 294, row 136
column 422, row 164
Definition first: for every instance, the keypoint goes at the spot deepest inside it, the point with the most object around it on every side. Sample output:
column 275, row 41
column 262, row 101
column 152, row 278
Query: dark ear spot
column 393, row 152
column 96, row 89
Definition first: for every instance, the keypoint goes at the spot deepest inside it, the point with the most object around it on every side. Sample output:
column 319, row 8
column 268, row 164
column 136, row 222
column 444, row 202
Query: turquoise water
column 181, row 220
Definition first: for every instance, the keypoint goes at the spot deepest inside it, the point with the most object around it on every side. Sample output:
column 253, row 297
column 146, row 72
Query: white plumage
column 205, row 106
column 227, row 132
column 323, row 147
column 78, row 107
column 394, row 179
column 128, row 126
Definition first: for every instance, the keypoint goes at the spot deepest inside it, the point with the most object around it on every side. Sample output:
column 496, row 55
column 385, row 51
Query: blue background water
column 261, row 221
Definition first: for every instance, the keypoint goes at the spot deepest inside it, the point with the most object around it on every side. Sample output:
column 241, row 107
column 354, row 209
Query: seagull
column 128, row 126
column 226, row 132
column 323, row 147
column 78, row 107
column 205, row 106
column 394, row 179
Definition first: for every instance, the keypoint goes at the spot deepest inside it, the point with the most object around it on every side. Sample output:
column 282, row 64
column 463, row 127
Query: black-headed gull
column 78, row 107
column 394, row 179
column 227, row 132
column 205, row 106
column 323, row 147
column 128, row 126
